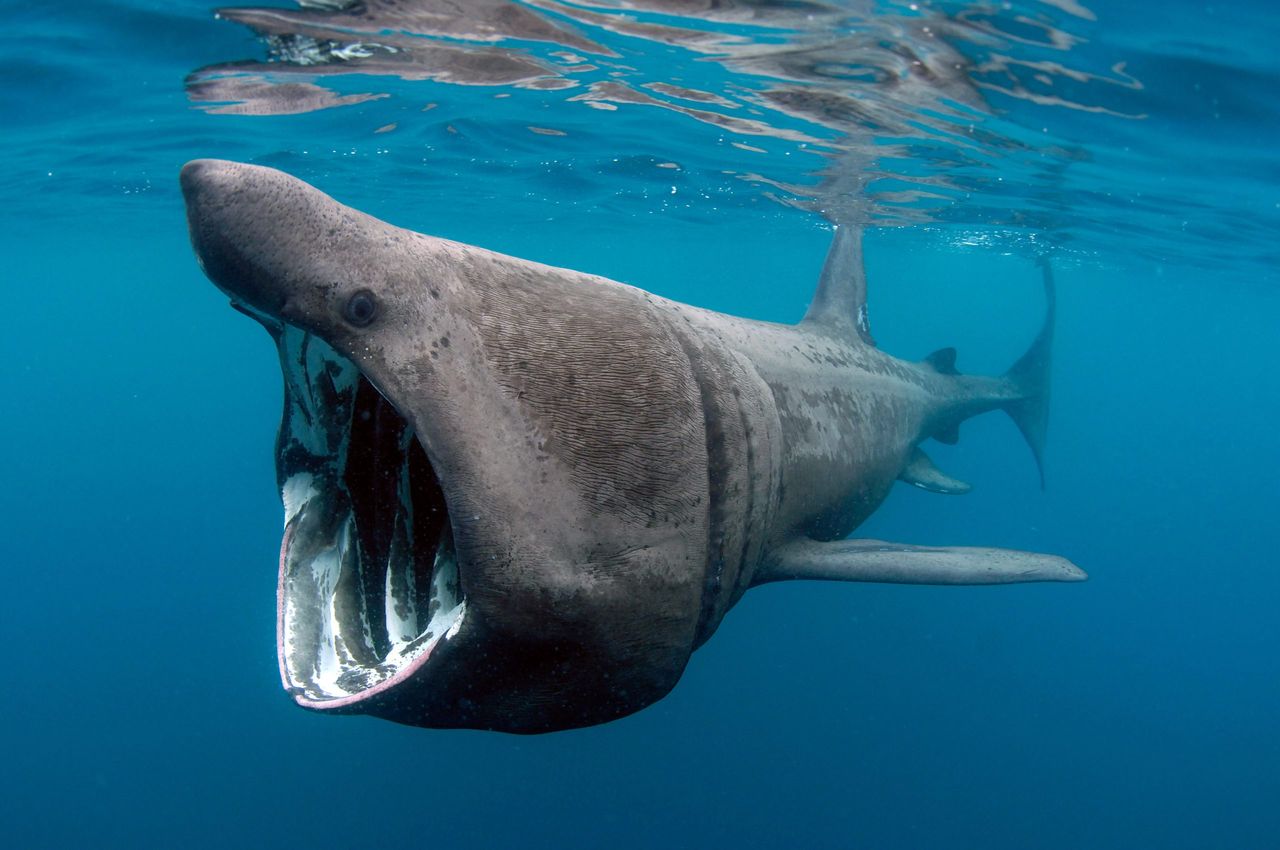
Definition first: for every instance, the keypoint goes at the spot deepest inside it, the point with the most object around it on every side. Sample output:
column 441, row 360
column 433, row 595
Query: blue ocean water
column 141, row 523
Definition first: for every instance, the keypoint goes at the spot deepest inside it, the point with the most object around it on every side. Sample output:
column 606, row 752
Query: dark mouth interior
column 378, row 457
column 369, row 577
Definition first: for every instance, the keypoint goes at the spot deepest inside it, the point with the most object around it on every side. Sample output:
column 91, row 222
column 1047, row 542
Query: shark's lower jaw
column 368, row 584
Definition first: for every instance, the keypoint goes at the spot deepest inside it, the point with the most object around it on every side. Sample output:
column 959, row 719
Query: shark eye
column 360, row 309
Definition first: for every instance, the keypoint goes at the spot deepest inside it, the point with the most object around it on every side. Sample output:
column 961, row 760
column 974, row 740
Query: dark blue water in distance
column 1135, row 143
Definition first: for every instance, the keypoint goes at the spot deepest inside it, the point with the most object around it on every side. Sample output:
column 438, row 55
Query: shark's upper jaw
column 369, row 576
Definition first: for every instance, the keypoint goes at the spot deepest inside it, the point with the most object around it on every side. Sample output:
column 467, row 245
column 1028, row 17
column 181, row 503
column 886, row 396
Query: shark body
column 518, row 497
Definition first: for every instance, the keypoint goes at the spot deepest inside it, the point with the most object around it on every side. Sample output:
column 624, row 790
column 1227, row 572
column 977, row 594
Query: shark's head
column 485, row 526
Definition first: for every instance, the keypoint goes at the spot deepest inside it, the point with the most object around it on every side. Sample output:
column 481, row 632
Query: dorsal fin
column 943, row 361
column 840, row 302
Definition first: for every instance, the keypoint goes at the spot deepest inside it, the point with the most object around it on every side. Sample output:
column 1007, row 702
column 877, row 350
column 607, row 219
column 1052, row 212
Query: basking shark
column 518, row 497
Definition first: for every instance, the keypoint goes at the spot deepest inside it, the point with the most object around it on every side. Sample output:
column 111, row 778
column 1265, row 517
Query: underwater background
column 698, row 150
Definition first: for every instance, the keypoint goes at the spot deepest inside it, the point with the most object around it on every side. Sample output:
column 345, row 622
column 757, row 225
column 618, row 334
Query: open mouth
column 368, row 570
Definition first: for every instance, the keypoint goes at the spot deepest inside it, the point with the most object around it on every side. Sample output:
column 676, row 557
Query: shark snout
column 200, row 173
column 236, row 217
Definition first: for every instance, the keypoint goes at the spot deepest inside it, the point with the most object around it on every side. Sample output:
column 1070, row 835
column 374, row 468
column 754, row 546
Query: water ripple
column 1098, row 129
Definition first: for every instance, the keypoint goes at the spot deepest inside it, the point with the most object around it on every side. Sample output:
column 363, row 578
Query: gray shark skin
column 518, row 497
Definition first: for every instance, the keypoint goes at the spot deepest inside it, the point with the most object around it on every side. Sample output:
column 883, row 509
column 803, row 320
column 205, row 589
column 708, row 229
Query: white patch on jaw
column 449, row 609
column 456, row 616
column 398, row 599
column 328, row 666
column 444, row 590
column 299, row 489
column 317, row 582
column 400, row 591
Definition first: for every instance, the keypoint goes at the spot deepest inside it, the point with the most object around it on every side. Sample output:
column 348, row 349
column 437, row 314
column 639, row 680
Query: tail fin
column 1030, row 377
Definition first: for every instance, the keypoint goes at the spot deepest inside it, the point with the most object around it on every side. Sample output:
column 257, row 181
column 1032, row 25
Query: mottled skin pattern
column 619, row 468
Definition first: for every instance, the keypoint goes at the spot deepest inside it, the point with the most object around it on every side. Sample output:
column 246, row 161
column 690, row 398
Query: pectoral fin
column 921, row 472
column 900, row 563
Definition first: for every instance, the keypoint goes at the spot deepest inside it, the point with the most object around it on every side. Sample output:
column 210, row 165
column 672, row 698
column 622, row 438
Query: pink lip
column 284, row 549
